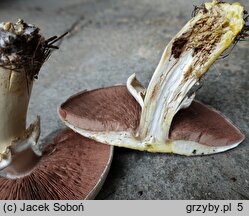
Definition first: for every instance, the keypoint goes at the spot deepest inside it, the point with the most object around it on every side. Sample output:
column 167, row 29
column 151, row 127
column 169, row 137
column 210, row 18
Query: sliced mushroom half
column 163, row 118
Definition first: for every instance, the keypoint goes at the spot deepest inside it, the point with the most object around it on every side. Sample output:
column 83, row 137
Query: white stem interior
column 166, row 92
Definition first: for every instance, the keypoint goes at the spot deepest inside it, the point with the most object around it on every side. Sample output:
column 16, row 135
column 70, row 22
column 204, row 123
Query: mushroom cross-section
column 164, row 117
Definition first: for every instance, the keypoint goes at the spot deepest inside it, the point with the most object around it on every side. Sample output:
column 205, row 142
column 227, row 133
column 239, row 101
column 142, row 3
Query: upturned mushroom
column 63, row 169
column 164, row 118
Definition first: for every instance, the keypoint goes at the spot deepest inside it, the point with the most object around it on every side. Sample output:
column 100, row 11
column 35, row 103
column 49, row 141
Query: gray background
column 111, row 39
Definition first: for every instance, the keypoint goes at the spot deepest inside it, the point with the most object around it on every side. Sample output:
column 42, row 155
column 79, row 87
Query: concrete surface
column 111, row 39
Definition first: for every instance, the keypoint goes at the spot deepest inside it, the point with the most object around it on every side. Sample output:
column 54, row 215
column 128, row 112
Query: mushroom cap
column 113, row 109
column 73, row 167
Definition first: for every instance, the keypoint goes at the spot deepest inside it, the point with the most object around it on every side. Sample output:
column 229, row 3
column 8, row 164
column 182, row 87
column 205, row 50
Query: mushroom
column 164, row 118
column 61, row 170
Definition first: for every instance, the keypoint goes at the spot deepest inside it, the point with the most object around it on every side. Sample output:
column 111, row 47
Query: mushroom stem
column 15, row 90
column 185, row 60
column 23, row 50
column 15, row 138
